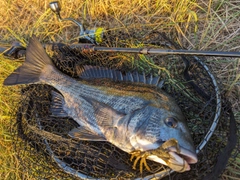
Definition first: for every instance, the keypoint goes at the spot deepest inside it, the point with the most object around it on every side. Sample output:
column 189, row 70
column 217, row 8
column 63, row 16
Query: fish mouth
column 181, row 158
column 178, row 160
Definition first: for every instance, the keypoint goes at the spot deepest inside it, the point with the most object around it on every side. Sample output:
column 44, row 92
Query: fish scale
column 74, row 92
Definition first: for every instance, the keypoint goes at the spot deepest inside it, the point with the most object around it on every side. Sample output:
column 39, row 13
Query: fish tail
column 31, row 69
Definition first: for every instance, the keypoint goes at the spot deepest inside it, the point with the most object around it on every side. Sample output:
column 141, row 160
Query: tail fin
column 30, row 70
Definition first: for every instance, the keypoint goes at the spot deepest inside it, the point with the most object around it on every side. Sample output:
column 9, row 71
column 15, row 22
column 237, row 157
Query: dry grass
column 9, row 163
column 204, row 25
column 111, row 14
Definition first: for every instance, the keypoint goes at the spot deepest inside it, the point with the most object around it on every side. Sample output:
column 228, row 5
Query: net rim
column 218, row 107
column 167, row 171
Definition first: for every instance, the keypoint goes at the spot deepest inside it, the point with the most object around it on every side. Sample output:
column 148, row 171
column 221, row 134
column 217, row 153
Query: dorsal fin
column 97, row 72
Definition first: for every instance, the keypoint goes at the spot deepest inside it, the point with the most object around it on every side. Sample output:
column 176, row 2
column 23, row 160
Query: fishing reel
column 93, row 36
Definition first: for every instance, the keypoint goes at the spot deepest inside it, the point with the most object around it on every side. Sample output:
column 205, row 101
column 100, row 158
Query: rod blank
column 156, row 51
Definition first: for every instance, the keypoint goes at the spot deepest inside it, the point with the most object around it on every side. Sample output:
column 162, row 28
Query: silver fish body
column 132, row 117
column 124, row 117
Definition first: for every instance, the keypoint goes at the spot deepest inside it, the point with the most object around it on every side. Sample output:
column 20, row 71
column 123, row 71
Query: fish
column 125, row 110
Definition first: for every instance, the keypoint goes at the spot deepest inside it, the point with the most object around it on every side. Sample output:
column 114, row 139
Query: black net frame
column 44, row 148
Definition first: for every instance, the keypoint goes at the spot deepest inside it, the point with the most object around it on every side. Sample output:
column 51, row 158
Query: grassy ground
column 204, row 25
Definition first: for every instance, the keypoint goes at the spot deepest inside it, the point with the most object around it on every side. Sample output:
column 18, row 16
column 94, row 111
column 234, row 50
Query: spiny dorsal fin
column 30, row 70
column 96, row 72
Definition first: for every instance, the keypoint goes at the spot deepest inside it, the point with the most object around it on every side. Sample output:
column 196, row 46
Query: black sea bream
column 132, row 116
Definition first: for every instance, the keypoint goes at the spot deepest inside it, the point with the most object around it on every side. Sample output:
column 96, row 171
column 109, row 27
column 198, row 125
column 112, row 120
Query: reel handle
column 93, row 36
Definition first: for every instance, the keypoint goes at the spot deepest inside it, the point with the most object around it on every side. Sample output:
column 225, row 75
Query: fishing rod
column 91, row 48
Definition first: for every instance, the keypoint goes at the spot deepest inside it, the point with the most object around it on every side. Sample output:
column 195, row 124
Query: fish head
column 182, row 153
column 162, row 127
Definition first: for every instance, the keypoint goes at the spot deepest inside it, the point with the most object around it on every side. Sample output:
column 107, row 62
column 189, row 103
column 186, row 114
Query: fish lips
column 180, row 159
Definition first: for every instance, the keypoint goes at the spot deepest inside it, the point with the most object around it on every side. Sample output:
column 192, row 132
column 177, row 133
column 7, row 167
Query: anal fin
column 83, row 134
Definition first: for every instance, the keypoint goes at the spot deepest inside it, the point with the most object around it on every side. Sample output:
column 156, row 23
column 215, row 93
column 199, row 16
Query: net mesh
column 47, row 152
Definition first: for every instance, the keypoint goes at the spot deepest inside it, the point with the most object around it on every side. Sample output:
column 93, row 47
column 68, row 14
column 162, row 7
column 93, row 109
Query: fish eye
column 171, row 122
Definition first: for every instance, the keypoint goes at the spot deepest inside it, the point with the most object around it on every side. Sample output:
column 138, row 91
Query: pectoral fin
column 105, row 115
column 57, row 104
column 81, row 133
